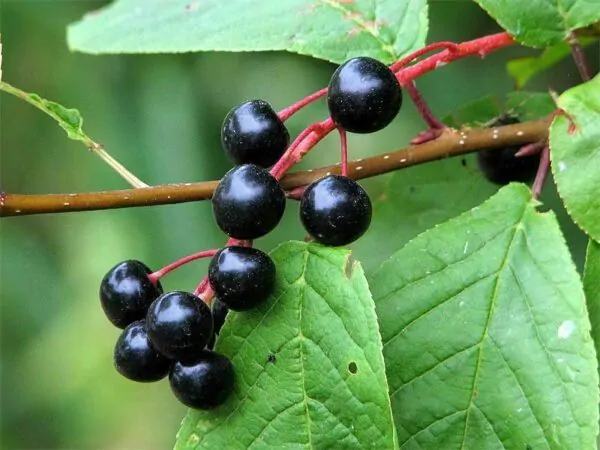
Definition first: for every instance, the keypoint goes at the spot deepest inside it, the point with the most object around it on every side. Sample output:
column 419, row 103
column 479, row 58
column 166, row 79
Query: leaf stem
column 78, row 135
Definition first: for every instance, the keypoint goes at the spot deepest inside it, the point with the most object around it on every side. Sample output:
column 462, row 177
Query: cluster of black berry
column 501, row 166
column 172, row 333
column 166, row 334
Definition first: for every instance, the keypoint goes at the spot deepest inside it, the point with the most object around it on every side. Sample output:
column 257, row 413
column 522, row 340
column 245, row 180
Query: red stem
column 450, row 46
column 422, row 106
column 286, row 113
column 344, row 151
column 530, row 149
column 316, row 132
column 302, row 145
column 542, row 173
column 481, row 46
column 154, row 277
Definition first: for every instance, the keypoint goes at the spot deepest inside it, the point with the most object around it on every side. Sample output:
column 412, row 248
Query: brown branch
column 450, row 143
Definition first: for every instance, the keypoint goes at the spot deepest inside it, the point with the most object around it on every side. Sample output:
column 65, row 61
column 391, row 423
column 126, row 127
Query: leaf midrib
column 517, row 228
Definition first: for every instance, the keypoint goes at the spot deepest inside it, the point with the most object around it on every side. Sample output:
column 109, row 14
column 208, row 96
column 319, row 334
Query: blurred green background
column 160, row 115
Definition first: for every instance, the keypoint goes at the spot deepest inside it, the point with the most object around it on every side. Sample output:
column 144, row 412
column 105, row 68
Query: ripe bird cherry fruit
column 253, row 133
column 248, row 202
column 179, row 325
column 135, row 357
column 363, row 96
column 126, row 292
column 205, row 383
column 500, row 166
column 242, row 277
column 335, row 210
column 219, row 313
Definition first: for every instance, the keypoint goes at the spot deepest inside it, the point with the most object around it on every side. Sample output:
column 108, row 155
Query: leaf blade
column 490, row 303
column 328, row 29
column 316, row 324
column 541, row 23
column 591, row 285
column 575, row 155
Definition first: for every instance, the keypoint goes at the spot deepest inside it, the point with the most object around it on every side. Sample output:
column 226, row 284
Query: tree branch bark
column 450, row 143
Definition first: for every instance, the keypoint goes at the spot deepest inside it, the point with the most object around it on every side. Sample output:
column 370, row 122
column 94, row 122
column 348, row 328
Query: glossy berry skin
column 335, row 210
column 205, row 383
column 363, row 96
column 126, row 292
column 179, row 325
column 219, row 312
column 248, row 202
column 242, row 277
column 500, row 165
column 253, row 133
column 135, row 357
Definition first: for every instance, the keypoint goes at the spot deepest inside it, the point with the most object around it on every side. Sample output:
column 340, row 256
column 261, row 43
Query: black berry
column 135, row 357
column 335, row 210
column 364, row 95
column 500, row 166
column 126, row 292
column 179, row 325
column 205, row 383
column 242, row 277
column 248, row 202
column 219, row 312
column 253, row 133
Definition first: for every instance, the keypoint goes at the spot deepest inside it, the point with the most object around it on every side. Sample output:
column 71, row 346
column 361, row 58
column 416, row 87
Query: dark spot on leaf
column 352, row 368
column 271, row 358
column 412, row 189
column 463, row 161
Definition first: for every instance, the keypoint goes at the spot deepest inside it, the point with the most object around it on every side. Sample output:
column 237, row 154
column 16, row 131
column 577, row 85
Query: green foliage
column 334, row 30
column 483, row 317
column 591, row 284
column 575, row 153
column 524, row 105
column 309, row 367
column 524, row 69
column 542, row 23
column 474, row 314
column 411, row 203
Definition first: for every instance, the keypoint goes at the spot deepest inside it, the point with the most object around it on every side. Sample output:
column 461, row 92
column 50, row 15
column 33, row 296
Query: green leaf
column 529, row 105
column 524, row 69
column 412, row 203
column 69, row 119
column 525, row 105
column 541, row 23
column 486, row 335
column 591, row 285
column 575, row 155
column 334, row 30
column 477, row 113
column 310, row 371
